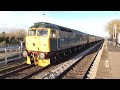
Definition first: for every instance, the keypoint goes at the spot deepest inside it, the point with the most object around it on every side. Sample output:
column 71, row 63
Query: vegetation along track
column 60, row 70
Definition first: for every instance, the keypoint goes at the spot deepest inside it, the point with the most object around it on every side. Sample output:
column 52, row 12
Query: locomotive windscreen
column 40, row 32
column 31, row 32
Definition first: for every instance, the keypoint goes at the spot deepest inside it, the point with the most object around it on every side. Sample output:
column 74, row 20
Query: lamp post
column 114, row 31
column 114, row 34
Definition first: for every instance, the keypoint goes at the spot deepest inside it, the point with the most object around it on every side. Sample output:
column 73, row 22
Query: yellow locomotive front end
column 38, row 46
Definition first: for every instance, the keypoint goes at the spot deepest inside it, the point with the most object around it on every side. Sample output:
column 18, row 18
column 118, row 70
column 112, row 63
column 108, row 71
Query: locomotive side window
column 53, row 34
column 31, row 32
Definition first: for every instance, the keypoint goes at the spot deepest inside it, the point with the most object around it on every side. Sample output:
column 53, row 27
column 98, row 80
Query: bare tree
column 17, row 33
column 110, row 26
column 14, row 36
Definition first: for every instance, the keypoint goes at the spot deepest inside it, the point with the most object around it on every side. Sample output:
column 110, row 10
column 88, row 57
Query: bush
column 13, row 40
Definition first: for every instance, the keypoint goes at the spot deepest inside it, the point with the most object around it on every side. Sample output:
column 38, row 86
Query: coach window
column 53, row 33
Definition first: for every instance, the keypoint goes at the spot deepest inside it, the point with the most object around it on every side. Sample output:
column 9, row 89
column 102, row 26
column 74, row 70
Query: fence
column 9, row 45
column 10, row 53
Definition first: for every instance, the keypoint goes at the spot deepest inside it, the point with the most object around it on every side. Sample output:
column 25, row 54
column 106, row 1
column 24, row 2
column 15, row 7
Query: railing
column 10, row 53
column 9, row 45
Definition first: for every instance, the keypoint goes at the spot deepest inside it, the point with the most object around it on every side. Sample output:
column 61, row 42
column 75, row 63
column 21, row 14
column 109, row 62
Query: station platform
column 109, row 65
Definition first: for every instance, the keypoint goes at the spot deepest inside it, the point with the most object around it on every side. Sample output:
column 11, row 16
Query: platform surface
column 109, row 66
column 114, row 55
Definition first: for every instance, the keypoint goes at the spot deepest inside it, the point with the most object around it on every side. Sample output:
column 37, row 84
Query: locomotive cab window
column 31, row 32
column 53, row 33
column 42, row 32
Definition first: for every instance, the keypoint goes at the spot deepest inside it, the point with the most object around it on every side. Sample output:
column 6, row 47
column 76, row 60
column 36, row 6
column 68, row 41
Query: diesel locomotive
column 45, row 41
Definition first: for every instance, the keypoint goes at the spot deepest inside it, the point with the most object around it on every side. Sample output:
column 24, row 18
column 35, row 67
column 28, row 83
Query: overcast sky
column 91, row 22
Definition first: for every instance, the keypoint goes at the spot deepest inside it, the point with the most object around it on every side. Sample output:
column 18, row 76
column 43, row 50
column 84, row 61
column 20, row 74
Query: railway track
column 12, row 68
column 35, row 72
column 11, row 72
column 81, row 69
column 22, row 71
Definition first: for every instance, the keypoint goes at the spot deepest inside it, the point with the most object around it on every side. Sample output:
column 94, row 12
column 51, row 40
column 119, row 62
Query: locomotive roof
column 45, row 25
column 53, row 26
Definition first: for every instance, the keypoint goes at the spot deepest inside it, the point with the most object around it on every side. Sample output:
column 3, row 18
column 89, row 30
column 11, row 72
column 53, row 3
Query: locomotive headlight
column 24, row 54
column 42, row 55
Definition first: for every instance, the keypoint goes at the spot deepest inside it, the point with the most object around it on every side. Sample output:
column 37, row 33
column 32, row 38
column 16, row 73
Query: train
column 46, row 42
